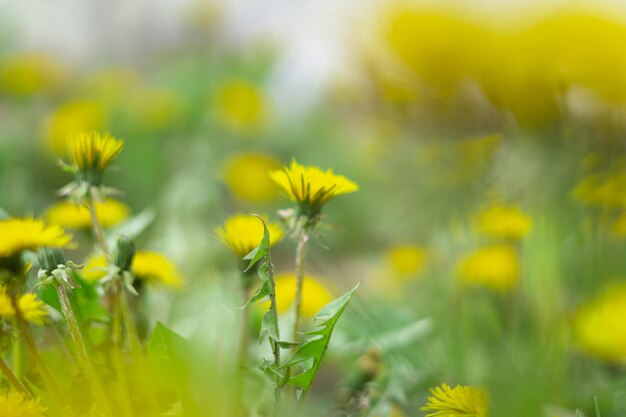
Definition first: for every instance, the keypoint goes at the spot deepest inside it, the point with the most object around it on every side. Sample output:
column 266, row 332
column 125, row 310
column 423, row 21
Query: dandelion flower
column 316, row 295
column 241, row 106
column 496, row 267
column 602, row 190
column 6, row 305
column 17, row 404
column 75, row 216
column 406, row 260
column 31, row 309
column 246, row 176
column 311, row 187
column 71, row 118
column 506, row 222
column 154, row 267
column 29, row 234
column 242, row 233
column 29, row 73
column 600, row 325
column 91, row 153
column 95, row 268
column 459, row 401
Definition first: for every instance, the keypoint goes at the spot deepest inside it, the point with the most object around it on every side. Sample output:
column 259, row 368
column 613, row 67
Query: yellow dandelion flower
column 506, row 222
column 246, row 176
column 496, row 267
column 459, row 401
column 31, row 309
column 91, row 153
column 155, row 268
column 17, row 404
column 95, row 268
column 311, row 187
column 242, row 233
column 602, row 189
column 241, row 106
column 155, row 109
column 70, row 118
column 6, row 305
column 315, row 294
column 600, row 325
column 29, row 234
column 29, row 73
column 618, row 227
column 66, row 214
column 407, row 260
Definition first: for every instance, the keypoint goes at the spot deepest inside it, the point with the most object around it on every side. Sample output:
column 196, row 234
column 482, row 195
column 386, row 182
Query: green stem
column 118, row 357
column 98, row 230
column 16, row 348
column 275, row 346
column 81, row 351
column 302, row 238
column 12, row 378
column 244, row 338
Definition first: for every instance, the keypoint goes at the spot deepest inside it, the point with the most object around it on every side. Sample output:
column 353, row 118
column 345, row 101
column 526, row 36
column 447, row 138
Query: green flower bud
column 124, row 253
column 50, row 258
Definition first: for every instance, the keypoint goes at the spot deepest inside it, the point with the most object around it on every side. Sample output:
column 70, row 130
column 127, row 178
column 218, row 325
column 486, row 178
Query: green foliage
column 310, row 354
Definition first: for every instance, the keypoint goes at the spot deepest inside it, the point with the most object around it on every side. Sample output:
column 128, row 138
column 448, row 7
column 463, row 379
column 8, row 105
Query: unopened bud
column 50, row 258
column 124, row 253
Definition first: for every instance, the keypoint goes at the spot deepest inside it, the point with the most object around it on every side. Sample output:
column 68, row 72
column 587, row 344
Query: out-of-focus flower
column 155, row 109
column 600, row 325
column 459, row 401
column 91, row 153
column 496, row 267
column 311, row 187
column 407, row 261
column 29, row 73
column 17, row 404
column 111, row 86
column 29, row 234
column 241, row 106
column 154, row 267
column 110, row 212
column 315, row 294
column 242, row 233
column 501, row 221
column 31, row 309
column 70, row 119
column 602, row 189
column 247, row 176
column 618, row 227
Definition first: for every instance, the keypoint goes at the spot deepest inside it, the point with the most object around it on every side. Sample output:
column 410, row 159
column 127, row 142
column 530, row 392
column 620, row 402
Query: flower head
column 17, row 404
column 311, row 187
column 29, row 73
column 407, row 260
column 246, row 176
column 29, row 234
column 495, row 267
column 600, row 325
column 241, row 106
column 156, row 268
column 243, row 233
column 507, row 222
column 31, row 309
column 91, row 153
column 459, row 401
column 71, row 118
column 316, row 295
column 110, row 212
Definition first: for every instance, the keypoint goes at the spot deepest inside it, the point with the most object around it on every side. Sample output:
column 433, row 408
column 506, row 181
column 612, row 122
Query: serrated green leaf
column 268, row 327
column 310, row 354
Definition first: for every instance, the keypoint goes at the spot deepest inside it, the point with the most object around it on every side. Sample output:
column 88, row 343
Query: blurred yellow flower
column 459, row 401
column 246, row 175
column 311, row 187
column 407, row 261
column 241, row 105
column 315, row 295
column 29, row 73
column 66, row 214
column 17, row 404
column 618, row 227
column 600, row 325
column 91, row 153
column 111, row 85
column 242, row 233
column 496, row 267
column 155, row 268
column 71, row 118
column 152, row 267
column 602, row 189
column 31, row 309
column 501, row 221
column 29, row 234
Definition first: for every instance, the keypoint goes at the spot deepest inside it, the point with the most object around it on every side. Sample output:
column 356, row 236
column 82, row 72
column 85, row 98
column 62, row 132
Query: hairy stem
column 81, row 351
column 12, row 378
column 98, row 230
column 302, row 238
